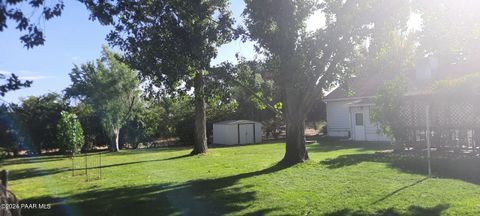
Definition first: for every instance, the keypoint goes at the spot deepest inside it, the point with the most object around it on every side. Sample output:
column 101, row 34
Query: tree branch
column 263, row 100
column 130, row 108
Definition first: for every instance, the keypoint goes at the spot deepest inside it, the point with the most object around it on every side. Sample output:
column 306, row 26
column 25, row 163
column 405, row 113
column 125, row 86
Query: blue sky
column 73, row 39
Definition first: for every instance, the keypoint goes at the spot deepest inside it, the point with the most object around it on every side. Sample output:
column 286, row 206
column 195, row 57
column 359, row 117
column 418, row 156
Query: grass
column 340, row 179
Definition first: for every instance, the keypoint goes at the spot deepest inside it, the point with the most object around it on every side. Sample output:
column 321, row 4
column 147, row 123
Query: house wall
column 374, row 132
column 372, row 128
column 338, row 119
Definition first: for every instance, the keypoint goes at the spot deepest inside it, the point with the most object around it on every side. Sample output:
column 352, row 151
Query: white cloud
column 5, row 72
column 27, row 75
column 77, row 59
column 35, row 77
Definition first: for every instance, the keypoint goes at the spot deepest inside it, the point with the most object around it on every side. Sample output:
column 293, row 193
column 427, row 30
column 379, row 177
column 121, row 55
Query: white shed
column 237, row 132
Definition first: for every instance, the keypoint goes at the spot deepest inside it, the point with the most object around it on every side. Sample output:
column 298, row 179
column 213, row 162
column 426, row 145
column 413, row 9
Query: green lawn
column 340, row 179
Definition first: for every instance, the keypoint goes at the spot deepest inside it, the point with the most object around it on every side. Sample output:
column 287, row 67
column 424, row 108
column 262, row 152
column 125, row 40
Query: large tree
column 20, row 14
column 38, row 118
column 171, row 42
column 12, row 83
column 308, row 64
column 26, row 16
column 450, row 33
column 8, row 130
column 70, row 136
column 111, row 88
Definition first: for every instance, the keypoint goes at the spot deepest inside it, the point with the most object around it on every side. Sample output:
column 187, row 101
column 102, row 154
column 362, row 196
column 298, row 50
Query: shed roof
column 361, row 102
column 234, row 122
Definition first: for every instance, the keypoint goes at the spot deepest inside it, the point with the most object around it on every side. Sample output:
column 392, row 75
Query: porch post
column 428, row 139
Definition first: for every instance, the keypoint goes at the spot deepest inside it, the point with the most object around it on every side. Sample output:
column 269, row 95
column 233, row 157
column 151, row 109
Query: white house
column 237, row 132
column 348, row 113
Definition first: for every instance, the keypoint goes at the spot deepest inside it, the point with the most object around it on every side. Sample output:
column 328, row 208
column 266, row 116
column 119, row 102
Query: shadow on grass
column 144, row 161
column 57, row 156
column 214, row 146
column 29, row 160
column 199, row 197
column 140, row 200
column 33, row 172
column 214, row 184
column 412, row 211
column 39, row 172
column 444, row 165
column 149, row 150
column 329, row 144
column 399, row 190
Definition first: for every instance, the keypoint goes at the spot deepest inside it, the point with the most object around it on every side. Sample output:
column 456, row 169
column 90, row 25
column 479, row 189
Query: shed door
column 245, row 133
column 359, row 126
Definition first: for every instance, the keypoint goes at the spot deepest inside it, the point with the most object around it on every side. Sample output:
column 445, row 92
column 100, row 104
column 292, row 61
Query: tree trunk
column 296, row 151
column 295, row 112
column 200, row 141
column 114, row 143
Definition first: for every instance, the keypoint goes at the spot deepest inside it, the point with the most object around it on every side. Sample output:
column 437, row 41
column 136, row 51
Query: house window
column 359, row 119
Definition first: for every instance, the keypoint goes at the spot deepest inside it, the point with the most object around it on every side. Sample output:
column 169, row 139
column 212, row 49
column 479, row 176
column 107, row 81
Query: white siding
column 217, row 134
column 372, row 129
column 227, row 134
column 258, row 133
column 246, row 133
column 338, row 119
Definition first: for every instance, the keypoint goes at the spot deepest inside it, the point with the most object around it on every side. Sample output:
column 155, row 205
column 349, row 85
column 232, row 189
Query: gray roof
column 369, row 86
column 359, row 87
column 234, row 122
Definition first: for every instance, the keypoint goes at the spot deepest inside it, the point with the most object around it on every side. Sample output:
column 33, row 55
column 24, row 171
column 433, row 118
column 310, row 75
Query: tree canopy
column 16, row 12
column 167, row 40
column 171, row 42
column 70, row 133
column 12, row 83
column 305, row 65
column 450, row 32
column 21, row 15
column 38, row 117
column 111, row 88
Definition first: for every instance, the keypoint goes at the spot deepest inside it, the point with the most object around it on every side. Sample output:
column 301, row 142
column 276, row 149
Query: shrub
column 70, row 133
column 8, row 132
column 387, row 104
column 324, row 130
